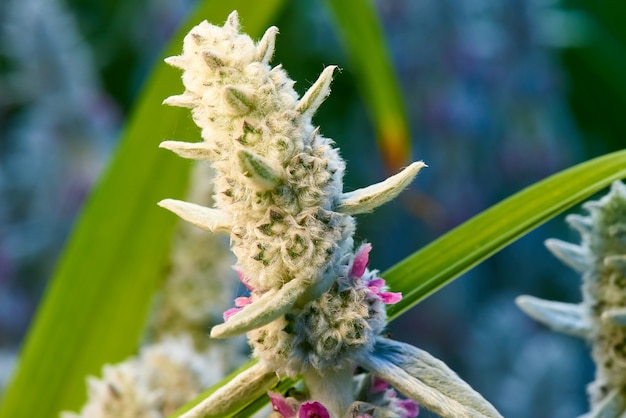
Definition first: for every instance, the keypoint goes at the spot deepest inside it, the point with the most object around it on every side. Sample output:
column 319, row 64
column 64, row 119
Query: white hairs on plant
column 315, row 310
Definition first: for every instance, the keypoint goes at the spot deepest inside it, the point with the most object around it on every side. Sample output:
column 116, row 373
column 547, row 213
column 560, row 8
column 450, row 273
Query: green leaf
column 465, row 246
column 358, row 25
column 446, row 258
column 94, row 309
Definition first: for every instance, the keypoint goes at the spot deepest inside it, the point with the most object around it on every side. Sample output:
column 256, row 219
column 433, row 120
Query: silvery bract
column 315, row 310
column 601, row 317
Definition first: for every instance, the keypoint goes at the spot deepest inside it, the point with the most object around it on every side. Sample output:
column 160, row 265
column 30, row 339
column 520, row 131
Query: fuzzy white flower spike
column 601, row 317
column 315, row 310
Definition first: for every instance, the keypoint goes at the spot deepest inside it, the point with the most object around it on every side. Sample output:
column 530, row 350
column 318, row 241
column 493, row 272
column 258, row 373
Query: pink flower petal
column 242, row 301
column 230, row 312
column 378, row 282
column 280, row 405
column 313, row 409
column 360, row 260
column 378, row 385
column 391, row 298
column 411, row 408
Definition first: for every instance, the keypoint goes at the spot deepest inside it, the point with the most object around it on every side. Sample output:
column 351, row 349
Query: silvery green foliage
column 600, row 317
column 315, row 310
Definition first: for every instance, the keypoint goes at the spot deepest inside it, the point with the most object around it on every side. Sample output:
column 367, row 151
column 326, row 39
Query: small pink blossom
column 378, row 385
column 313, row 409
column 389, row 298
column 308, row 409
column 410, row 407
column 280, row 405
column 361, row 259
column 240, row 303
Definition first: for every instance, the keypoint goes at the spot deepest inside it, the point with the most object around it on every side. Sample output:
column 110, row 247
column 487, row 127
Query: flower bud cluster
column 601, row 317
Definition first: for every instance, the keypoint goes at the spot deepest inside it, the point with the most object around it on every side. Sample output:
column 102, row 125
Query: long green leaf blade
column 95, row 306
column 364, row 41
column 446, row 258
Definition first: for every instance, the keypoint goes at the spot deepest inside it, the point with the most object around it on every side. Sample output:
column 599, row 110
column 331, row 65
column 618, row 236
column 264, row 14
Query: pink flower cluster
column 242, row 301
column 375, row 285
column 308, row 409
column 408, row 408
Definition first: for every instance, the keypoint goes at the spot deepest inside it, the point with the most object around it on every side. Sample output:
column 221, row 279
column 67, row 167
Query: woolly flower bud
column 601, row 317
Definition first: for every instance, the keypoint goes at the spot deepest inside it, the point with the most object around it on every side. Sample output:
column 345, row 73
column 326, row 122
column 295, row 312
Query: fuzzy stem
column 333, row 389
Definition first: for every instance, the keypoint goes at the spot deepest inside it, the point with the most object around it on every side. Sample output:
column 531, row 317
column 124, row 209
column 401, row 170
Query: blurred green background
column 497, row 94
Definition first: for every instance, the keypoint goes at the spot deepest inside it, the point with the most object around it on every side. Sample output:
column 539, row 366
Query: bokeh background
column 499, row 94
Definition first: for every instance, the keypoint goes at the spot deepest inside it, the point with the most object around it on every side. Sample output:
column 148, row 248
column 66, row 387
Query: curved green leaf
column 94, row 309
column 449, row 256
column 462, row 248
column 358, row 25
